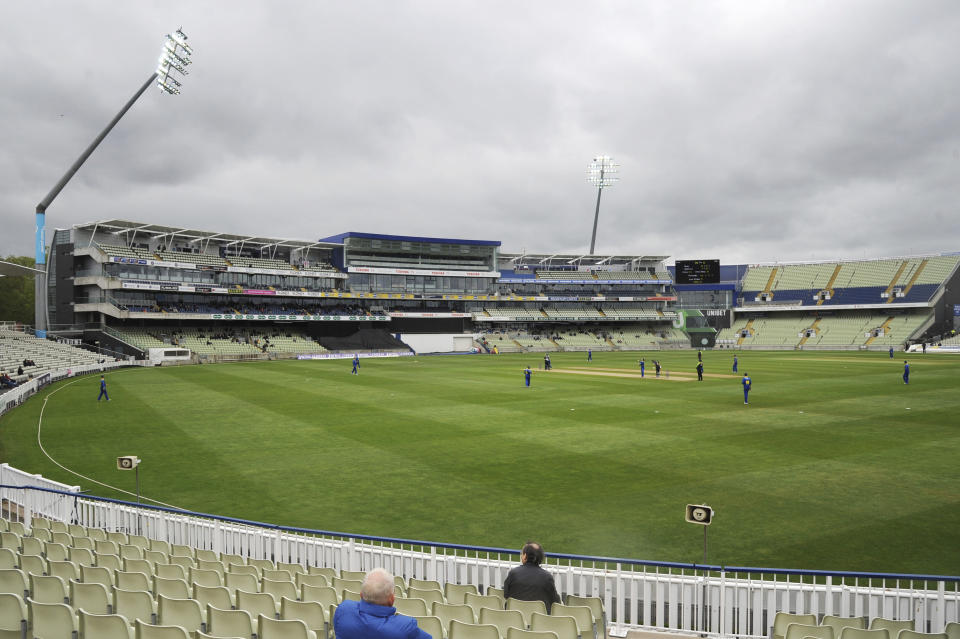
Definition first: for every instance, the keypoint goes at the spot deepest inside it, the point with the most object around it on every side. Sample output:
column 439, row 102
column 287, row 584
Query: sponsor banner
column 143, row 262
column 421, row 271
column 258, row 291
column 351, row 355
column 406, row 314
column 299, row 318
column 604, row 282
column 956, row 310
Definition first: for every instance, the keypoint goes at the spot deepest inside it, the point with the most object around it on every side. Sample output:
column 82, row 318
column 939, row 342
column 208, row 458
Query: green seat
column 324, row 595
column 93, row 626
column 270, row 628
column 801, row 630
column 526, row 608
column 565, row 627
column 595, row 604
column 456, row 593
column 410, row 607
column 432, row 626
column 913, row 634
column 134, row 604
column 52, row 620
column 278, row 589
column 217, row 596
column 146, row 631
column 355, row 575
column 311, row 613
column 860, row 633
column 503, row 619
column 447, row 612
column 783, row 619
column 429, row 596
column 516, row 633
column 92, row 597
column 424, row 584
column 48, row 589
column 8, row 559
column 459, row 630
column 14, row 581
column 952, row 630
column 229, row 623
column 482, row 601
column 583, row 617
column 893, row 626
column 839, row 623
column 313, row 580
column 13, row 616
column 257, row 603
column 205, row 577
column 179, row 612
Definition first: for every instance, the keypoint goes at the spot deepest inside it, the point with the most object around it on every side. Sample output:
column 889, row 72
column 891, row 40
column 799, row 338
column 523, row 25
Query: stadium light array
column 174, row 56
column 600, row 174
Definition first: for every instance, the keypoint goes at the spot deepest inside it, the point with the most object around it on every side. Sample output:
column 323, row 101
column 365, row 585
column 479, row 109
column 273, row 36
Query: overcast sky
column 746, row 131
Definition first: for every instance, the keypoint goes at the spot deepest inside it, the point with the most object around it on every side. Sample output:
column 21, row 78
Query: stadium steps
column 883, row 327
column 748, row 327
column 893, row 282
column 611, row 344
column 803, row 340
column 518, row 345
column 913, row 280
column 829, row 286
column 768, row 289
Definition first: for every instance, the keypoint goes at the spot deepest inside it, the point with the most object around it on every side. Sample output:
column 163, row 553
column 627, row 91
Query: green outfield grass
column 835, row 465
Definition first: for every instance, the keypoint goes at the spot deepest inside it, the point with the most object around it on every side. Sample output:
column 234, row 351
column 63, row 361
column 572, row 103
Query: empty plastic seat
column 583, row 618
column 146, row 631
column 324, row 595
column 179, row 612
column 217, row 596
column 93, row 626
column 293, row 569
column 526, row 608
column 277, row 575
column 459, row 630
column 131, row 580
column 8, row 559
column 205, row 577
column 170, row 571
column 410, row 607
column 329, row 573
column 51, row 620
column 13, row 616
column 48, row 589
column 54, row 551
column 257, row 603
column 236, row 582
column 565, row 627
column 783, row 619
column 839, row 623
column 310, row 613
column 595, row 604
column 278, row 589
column 450, row 612
column 503, row 619
column 431, row 625
column 913, row 634
column 269, row 628
column 229, row 623
column 14, row 581
column 96, row 575
column 430, row 596
column 173, row 588
column 477, row 602
column 314, row 580
column 455, row 593
column 66, row 570
column 34, row 565
column 134, row 604
column 860, row 633
column 893, row 626
column 92, row 597
column 110, row 562
column 424, row 584
column 515, row 633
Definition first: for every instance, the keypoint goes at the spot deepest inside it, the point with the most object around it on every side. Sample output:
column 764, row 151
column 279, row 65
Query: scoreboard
column 698, row 271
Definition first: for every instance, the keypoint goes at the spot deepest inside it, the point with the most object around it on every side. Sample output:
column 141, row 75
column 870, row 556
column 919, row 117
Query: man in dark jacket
column 530, row 582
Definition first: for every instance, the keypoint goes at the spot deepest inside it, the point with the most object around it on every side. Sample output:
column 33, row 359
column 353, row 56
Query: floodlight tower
column 600, row 175
column 174, row 56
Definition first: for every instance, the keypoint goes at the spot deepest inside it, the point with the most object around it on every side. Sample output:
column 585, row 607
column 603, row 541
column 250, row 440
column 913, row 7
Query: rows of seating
column 46, row 354
column 804, row 626
column 848, row 329
column 58, row 579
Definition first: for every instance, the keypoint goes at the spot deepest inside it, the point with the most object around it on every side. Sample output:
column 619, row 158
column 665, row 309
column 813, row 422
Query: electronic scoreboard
column 698, row 271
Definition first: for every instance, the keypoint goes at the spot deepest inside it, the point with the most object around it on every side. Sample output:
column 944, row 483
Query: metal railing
column 706, row 599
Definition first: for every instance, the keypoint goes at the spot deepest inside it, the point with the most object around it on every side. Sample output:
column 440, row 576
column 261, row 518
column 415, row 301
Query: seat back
column 55, row 551
column 92, row 597
column 8, row 559
column 526, row 608
column 48, row 589
column 839, row 623
column 138, row 565
column 952, row 630
column 311, row 613
column 270, row 628
column 146, row 631
column 51, row 620
column 350, row 595
column 893, row 626
column 313, row 580
column 66, row 570
column 456, row 593
column 325, row 595
column 339, row 583
column 565, row 627
column 913, row 634
column 162, row 546
column 582, row 615
column 235, row 581
column 13, row 614
column 110, row 562
column 452, row 612
column 277, row 574
column 801, row 630
column 34, row 565
column 410, row 607
column 278, row 588
column 293, row 569
column 595, row 604
column 783, row 619
column 81, row 556
column 134, row 604
column 860, row 633
column 185, row 613
column 217, row 596
column 205, row 577
column 430, row 595
column 102, row 626
column 257, row 603
column 503, row 619
column 515, row 633
column 107, row 546
column 354, row 575
column 229, row 623
column 327, row 572
column 96, row 575
column 424, row 584
column 179, row 550
column 431, row 625
column 482, row 601
column 459, row 630
column 173, row 588
column 170, row 571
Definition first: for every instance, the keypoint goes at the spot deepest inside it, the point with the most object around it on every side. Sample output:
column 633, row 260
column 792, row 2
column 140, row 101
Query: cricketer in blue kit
column 906, row 372
column 103, row 389
column 526, row 375
column 747, row 382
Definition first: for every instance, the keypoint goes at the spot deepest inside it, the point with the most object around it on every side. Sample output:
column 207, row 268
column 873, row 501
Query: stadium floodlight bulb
column 174, row 56
column 600, row 173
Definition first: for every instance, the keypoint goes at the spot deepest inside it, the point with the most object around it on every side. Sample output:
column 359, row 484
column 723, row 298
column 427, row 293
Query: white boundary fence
column 709, row 600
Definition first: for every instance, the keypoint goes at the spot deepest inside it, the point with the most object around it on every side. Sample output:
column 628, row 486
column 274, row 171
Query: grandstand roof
column 125, row 227
column 338, row 239
column 579, row 259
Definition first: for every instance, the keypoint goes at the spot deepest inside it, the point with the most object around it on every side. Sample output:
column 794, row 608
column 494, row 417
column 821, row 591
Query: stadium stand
column 16, row 348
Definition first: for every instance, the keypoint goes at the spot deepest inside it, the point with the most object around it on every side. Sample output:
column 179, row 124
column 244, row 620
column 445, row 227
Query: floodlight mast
column 599, row 175
column 175, row 56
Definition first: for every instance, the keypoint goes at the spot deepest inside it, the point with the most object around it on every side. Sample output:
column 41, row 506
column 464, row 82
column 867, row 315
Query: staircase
column 829, row 286
column 747, row 327
column 894, row 281
column 813, row 326
column 768, row 289
column 884, row 326
column 913, row 280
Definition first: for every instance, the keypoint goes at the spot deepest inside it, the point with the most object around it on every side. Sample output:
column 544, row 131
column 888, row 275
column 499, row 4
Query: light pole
column 174, row 56
column 600, row 175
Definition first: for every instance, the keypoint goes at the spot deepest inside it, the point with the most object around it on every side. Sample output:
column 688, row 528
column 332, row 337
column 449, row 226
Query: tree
column 17, row 294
